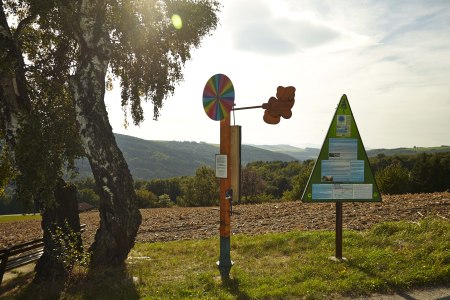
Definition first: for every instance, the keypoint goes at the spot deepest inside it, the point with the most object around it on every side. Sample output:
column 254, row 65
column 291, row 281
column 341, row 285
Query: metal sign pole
column 338, row 230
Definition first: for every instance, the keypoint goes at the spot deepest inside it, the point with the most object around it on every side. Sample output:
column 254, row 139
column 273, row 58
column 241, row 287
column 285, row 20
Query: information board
column 342, row 172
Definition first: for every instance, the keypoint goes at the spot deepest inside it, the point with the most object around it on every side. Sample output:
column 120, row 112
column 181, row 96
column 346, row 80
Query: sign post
column 342, row 171
column 225, row 262
column 338, row 254
column 218, row 101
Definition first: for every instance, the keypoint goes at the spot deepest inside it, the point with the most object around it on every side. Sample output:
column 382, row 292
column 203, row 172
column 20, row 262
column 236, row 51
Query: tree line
column 421, row 173
column 273, row 181
column 285, row 181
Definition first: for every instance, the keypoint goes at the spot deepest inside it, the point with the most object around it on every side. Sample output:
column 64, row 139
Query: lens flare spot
column 177, row 22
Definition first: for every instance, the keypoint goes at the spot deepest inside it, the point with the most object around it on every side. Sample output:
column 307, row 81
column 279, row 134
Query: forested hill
column 165, row 159
column 403, row 151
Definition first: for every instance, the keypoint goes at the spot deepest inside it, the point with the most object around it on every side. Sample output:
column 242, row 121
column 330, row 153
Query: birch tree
column 138, row 43
column 37, row 128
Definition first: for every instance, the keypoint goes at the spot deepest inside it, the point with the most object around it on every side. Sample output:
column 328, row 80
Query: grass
column 13, row 218
column 386, row 258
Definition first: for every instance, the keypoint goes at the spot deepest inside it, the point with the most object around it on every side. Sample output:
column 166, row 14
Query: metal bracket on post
column 229, row 197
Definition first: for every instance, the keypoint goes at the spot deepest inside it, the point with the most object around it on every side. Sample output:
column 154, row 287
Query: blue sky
column 391, row 59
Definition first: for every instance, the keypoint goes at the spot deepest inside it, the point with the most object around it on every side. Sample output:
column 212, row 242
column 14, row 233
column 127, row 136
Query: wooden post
column 225, row 262
column 236, row 163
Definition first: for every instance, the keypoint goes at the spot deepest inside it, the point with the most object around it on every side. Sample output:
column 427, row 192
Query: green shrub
column 68, row 249
column 89, row 196
column 146, row 199
column 393, row 179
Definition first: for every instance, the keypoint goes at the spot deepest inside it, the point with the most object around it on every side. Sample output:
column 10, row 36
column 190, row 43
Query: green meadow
column 386, row 258
column 12, row 218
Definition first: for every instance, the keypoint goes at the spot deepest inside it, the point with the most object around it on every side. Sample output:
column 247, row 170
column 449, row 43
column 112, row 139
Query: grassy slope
column 13, row 218
column 296, row 264
column 388, row 257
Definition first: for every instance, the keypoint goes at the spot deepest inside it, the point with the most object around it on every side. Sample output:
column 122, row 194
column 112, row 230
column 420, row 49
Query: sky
column 391, row 59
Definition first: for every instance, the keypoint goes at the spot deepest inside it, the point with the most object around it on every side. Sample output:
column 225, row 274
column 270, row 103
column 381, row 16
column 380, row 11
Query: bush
column 69, row 250
column 299, row 182
column 89, row 196
column 202, row 189
column 164, row 201
column 146, row 199
column 393, row 179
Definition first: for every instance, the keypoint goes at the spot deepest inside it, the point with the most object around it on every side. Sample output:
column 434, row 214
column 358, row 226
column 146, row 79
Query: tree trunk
column 14, row 100
column 60, row 221
column 119, row 215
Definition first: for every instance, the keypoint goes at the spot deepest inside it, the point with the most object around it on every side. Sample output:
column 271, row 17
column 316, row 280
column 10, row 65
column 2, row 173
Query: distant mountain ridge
column 297, row 153
column 166, row 159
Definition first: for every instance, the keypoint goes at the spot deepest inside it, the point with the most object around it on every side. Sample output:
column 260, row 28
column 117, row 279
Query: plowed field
column 166, row 224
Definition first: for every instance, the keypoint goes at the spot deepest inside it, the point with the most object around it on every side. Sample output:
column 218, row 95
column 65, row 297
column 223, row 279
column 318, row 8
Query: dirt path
column 166, row 224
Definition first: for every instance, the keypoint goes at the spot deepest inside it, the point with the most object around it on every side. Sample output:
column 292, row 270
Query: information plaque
column 221, row 166
column 342, row 171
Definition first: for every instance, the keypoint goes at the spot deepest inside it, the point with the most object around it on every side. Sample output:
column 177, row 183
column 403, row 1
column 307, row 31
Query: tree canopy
column 45, row 137
column 148, row 51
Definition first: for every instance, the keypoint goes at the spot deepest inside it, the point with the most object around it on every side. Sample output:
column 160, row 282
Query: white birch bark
column 119, row 216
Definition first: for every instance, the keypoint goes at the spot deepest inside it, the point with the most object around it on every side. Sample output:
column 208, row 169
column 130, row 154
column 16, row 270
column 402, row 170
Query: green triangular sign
column 342, row 172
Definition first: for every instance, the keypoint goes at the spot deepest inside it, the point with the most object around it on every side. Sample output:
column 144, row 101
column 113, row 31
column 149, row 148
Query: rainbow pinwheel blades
column 218, row 97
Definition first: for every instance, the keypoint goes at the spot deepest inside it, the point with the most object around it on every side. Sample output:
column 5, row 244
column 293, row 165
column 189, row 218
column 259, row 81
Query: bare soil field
column 179, row 223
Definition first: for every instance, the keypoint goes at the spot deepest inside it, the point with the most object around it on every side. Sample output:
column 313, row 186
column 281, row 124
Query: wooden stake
column 225, row 262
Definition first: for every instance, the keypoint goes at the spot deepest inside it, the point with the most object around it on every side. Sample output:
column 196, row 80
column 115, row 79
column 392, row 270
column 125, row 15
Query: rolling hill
column 165, row 159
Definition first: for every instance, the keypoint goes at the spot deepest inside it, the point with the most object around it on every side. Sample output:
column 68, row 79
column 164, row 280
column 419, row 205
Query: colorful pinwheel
column 218, row 97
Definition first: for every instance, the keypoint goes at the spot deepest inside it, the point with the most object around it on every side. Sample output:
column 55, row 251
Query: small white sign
column 221, row 165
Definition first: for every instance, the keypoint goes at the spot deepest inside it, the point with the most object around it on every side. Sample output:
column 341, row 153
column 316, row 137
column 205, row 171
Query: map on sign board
column 342, row 172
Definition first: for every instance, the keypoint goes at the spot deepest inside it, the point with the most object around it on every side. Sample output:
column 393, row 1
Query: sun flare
column 177, row 22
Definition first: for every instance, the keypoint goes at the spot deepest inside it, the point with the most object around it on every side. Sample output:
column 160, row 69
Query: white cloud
column 278, row 31
column 391, row 58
